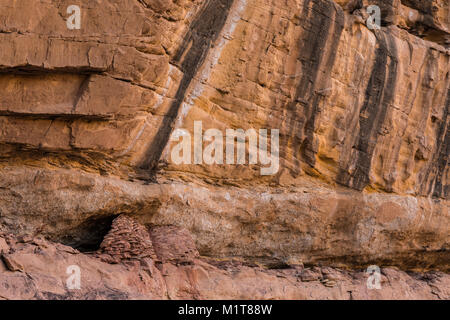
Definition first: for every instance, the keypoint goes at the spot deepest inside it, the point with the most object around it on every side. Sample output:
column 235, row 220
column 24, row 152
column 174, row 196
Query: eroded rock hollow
column 89, row 117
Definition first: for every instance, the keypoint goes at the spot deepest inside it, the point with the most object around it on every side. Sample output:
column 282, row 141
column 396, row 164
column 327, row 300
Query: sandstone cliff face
column 86, row 118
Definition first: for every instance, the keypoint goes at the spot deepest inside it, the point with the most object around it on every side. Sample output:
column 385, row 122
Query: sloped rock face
column 86, row 118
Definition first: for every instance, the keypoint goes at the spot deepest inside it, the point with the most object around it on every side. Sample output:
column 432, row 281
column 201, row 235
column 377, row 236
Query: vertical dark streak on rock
column 315, row 59
column 203, row 32
column 83, row 87
column 309, row 149
column 440, row 166
column 427, row 174
column 379, row 94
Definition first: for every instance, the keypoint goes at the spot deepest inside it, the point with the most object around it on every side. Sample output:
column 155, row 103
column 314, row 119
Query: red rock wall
column 86, row 118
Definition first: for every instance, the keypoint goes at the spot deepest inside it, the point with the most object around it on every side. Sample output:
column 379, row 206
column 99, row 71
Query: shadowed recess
column 88, row 236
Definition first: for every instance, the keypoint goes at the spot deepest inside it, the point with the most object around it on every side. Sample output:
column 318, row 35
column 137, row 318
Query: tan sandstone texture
column 87, row 176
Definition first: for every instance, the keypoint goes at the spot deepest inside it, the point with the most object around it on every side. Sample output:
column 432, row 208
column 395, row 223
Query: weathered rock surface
column 126, row 240
column 86, row 118
column 312, row 223
column 37, row 269
column 173, row 244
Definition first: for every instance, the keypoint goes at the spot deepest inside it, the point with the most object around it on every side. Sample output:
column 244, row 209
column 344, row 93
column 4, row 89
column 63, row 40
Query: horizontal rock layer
column 38, row 269
column 312, row 223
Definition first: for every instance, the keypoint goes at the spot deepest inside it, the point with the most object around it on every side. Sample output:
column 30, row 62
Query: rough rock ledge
column 36, row 269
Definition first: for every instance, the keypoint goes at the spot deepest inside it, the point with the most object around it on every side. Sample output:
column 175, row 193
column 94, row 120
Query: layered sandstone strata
column 86, row 118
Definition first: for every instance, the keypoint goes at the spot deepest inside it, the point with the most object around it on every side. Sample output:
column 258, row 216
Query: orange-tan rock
column 86, row 118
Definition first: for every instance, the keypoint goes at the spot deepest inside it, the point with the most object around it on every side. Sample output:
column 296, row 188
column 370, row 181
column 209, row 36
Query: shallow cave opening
column 88, row 236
